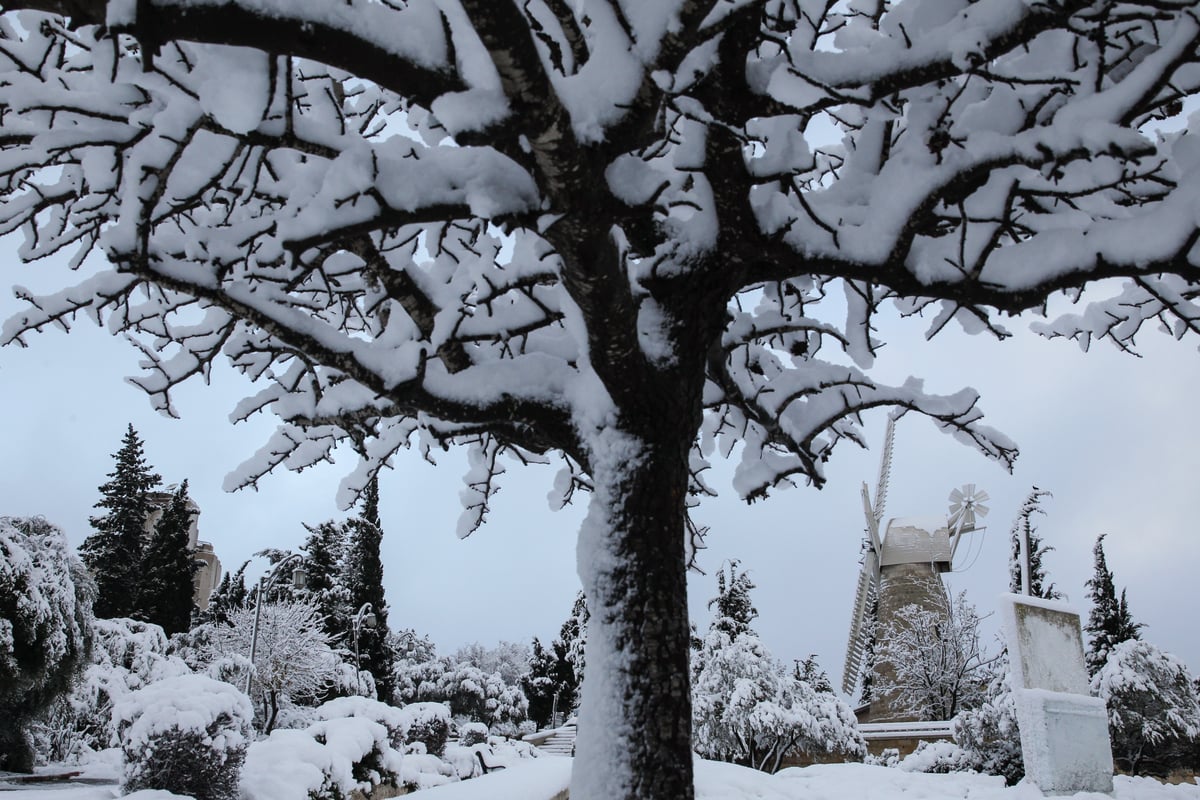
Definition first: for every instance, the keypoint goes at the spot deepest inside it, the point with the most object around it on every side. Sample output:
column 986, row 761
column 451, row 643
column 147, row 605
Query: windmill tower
column 902, row 567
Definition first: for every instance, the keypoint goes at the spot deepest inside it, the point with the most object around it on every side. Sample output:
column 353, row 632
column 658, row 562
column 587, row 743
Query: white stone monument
column 1064, row 730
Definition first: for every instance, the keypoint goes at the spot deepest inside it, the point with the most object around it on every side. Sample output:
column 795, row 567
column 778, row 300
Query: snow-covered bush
column 45, row 628
column 989, row 734
column 353, row 748
column 187, row 735
column 127, row 655
column 1153, row 713
column 747, row 708
column 430, row 726
column 936, row 757
column 472, row 733
column 397, row 721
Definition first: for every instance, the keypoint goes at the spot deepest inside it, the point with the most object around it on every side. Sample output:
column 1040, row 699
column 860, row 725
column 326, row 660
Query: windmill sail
column 856, row 645
column 868, row 576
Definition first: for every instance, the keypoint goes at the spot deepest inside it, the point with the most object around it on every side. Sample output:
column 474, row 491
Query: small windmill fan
column 966, row 508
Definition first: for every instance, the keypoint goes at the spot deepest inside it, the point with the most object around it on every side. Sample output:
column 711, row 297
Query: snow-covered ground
column 544, row 778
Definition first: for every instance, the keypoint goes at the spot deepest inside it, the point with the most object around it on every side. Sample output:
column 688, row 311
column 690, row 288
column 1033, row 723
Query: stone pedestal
column 1064, row 730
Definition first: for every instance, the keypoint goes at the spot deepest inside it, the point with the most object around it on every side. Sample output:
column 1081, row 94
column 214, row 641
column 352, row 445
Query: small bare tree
column 937, row 665
column 293, row 659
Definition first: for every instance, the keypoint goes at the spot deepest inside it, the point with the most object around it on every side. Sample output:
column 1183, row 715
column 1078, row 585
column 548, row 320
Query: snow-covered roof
column 916, row 540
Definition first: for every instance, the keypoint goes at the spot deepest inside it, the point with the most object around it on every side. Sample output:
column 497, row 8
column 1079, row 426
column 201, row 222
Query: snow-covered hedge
column 937, row 757
column 127, row 655
column 430, row 726
column 187, row 735
column 472, row 733
column 45, row 632
column 331, row 758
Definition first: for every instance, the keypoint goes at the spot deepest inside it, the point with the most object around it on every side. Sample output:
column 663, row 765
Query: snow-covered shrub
column 888, row 757
column 397, row 721
column 326, row 761
column 937, row 757
column 45, row 628
column 1153, row 713
column 989, row 734
column 187, row 735
column 748, row 709
column 527, row 727
column 430, row 725
column 127, row 655
column 472, row 733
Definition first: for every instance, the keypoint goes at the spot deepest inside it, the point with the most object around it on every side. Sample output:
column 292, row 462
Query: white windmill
column 913, row 552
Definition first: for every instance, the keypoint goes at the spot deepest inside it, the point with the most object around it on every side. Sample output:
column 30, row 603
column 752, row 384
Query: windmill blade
column 872, row 522
column 885, row 470
column 966, row 506
column 856, row 643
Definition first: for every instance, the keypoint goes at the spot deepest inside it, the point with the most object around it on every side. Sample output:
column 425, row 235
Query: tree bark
column 635, row 719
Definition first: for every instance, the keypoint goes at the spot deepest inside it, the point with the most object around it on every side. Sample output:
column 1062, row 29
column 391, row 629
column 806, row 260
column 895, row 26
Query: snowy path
column 546, row 778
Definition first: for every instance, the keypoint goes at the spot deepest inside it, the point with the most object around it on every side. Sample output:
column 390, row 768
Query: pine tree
column 1023, row 527
column 1109, row 622
column 323, row 552
column 734, row 611
column 168, row 568
column 230, row 594
column 113, row 553
column 362, row 572
column 573, row 637
column 539, row 685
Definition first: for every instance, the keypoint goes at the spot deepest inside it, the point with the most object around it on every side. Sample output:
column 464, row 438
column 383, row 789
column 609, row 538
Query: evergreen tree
column 323, row 551
column 362, row 572
column 1109, row 622
column 169, row 568
column 113, row 553
column 1023, row 527
column 573, row 640
column 539, row 684
column 230, row 594
column 810, row 672
column 734, row 611
column 867, row 681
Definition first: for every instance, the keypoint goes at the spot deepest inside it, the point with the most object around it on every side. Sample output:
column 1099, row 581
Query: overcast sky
column 1112, row 436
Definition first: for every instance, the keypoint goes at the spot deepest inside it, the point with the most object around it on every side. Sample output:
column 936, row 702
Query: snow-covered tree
column 749, row 709
column 293, row 661
column 988, row 734
column 539, row 684
column 732, row 610
column 573, row 637
column 1109, row 622
column 168, row 568
column 113, row 552
column 1153, row 711
column 937, row 665
column 621, row 236
column 471, row 693
column 1024, row 529
column 230, row 593
column 45, row 628
column 127, row 655
column 509, row 659
column 324, row 584
column 362, row 575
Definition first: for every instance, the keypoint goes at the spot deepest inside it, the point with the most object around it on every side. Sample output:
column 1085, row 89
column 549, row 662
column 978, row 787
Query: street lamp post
column 299, row 578
column 365, row 616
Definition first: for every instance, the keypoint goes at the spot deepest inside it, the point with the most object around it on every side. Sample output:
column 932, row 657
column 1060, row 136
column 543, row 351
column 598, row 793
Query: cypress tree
column 734, row 611
column 169, row 568
column 231, row 593
column 323, row 552
column 1109, row 621
column 113, row 553
column 1023, row 526
column 363, row 579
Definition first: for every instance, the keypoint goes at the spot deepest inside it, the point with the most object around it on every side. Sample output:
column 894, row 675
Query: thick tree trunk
column 635, row 719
